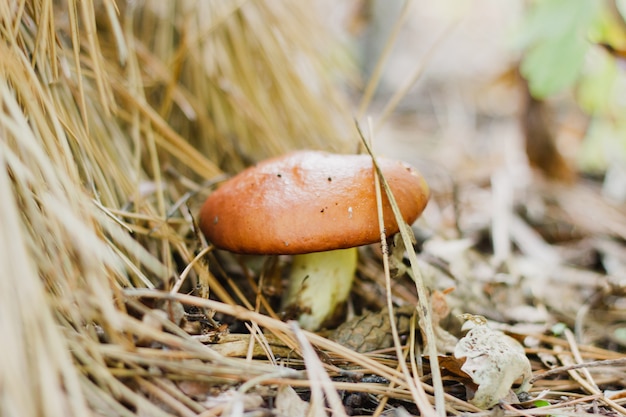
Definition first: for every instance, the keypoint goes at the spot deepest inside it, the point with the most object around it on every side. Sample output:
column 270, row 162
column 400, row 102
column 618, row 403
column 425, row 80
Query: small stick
column 562, row 369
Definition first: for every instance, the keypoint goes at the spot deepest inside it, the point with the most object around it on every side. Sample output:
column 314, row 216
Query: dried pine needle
column 88, row 117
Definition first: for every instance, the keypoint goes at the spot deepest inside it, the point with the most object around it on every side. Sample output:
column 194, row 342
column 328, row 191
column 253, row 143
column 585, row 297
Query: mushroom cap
column 309, row 201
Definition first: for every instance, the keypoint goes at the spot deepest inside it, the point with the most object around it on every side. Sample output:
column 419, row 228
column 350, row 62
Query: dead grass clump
column 108, row 118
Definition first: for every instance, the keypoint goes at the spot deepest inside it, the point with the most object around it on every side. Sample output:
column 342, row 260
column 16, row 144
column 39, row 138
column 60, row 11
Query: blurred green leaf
column 595, row 89
column 620, row 333
column 558, row 328
column 555, row 38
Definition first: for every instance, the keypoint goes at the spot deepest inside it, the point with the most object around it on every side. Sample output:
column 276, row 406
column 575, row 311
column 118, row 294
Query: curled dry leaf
column 289, row 403
column 494, row 361
column 445, row 340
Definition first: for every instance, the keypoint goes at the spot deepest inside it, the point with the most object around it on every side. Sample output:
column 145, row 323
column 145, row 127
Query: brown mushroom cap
column 309, row 201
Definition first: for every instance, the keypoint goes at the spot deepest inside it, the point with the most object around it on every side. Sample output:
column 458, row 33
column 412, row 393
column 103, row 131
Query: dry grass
column 108, row 120
column 115, row 122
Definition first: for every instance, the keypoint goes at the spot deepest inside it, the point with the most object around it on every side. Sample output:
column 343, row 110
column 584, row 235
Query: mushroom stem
column 318, row 282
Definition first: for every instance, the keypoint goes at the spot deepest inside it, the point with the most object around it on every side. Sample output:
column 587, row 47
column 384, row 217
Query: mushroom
column 318, row 207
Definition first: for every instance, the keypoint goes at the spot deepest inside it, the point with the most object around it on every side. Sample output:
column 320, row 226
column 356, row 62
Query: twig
column 185, row 273
column 588, row 384
column 424, row 310
column 562, row 369
column 382, row 60
column 320, row 381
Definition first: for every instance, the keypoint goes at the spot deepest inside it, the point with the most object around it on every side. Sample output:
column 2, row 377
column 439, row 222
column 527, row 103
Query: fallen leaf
column 454, row 367
column 494, row 361
column 230, row 398
column 289, row 403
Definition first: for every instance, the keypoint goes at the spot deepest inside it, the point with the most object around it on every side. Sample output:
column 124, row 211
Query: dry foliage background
column 118, row 118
